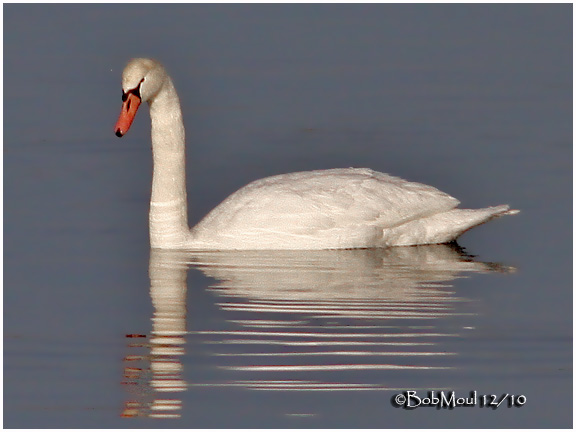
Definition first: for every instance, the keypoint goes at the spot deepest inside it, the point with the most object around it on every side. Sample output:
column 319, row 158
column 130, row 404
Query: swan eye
column 135, row 91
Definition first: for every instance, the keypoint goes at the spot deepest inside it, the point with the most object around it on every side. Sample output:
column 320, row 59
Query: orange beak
column 127, row 114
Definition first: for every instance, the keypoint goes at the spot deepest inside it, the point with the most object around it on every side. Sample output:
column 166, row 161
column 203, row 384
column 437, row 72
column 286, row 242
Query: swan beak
column 127, row 114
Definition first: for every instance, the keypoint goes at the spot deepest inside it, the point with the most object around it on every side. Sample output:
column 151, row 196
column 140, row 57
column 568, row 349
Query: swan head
column 142, row 80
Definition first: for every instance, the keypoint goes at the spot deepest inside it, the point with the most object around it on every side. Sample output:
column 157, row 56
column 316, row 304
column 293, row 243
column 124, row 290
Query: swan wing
column 323, row 209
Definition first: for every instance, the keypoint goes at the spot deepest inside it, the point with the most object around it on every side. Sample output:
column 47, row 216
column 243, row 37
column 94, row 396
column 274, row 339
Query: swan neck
column 168, row 209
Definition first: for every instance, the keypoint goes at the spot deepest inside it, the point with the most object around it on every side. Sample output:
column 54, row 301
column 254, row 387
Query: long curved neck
column 168, row 212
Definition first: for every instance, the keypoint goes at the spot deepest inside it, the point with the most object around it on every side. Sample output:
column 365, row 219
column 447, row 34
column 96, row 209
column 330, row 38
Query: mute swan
column 329, row 209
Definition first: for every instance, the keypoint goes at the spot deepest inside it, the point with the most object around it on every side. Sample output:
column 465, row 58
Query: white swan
column 330, row 209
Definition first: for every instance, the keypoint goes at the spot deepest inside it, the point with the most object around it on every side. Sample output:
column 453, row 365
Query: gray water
column 101, row 332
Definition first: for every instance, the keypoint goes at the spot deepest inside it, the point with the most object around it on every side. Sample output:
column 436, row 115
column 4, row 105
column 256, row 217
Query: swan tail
column 443, row 227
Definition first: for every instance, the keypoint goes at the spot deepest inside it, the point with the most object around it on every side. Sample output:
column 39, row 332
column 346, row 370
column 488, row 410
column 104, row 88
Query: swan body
column 328, row 209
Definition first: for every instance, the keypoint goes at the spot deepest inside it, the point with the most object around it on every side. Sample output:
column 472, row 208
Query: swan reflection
column 336, row 320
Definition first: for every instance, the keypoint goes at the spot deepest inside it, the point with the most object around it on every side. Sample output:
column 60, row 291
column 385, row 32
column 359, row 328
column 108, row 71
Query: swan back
column 327, row 209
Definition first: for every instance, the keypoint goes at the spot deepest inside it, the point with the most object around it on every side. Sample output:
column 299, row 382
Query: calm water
column 99, row 331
